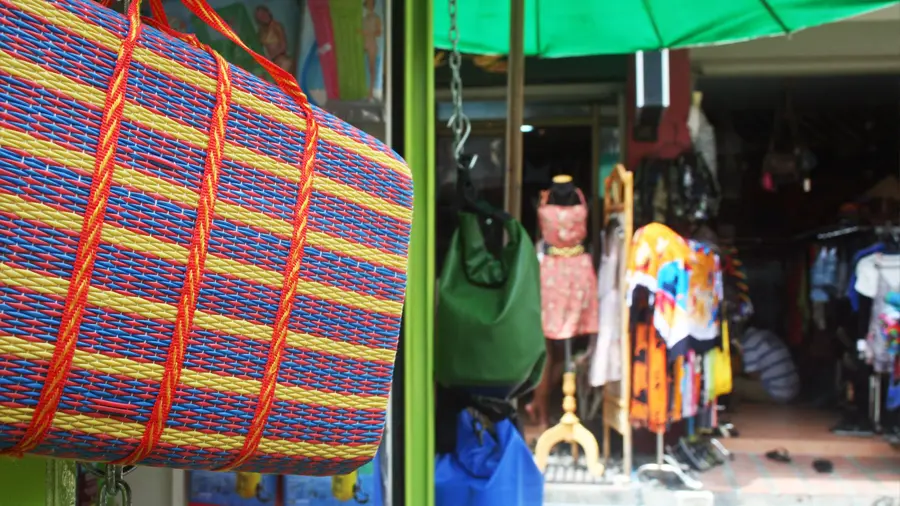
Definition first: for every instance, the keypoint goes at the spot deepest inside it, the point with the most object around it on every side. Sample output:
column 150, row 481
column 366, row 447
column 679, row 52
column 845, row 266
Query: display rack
column 618, row 202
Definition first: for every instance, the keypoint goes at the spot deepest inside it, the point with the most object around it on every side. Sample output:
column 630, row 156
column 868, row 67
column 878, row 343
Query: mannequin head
column 562, row 191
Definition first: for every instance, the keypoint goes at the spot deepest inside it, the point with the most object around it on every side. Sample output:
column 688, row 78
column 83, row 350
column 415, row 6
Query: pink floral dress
column 568, row 279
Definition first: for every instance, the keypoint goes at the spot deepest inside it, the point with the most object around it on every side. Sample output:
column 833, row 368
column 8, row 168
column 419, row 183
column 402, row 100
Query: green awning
column 562, row 28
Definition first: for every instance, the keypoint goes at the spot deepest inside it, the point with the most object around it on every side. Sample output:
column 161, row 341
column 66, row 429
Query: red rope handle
column 289, row 85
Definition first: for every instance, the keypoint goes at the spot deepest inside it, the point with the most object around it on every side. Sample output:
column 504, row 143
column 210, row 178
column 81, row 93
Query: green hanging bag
column 489, row 331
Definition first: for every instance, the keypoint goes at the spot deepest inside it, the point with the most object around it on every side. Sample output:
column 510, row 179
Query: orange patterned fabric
column 569, row 304
column 650, row 388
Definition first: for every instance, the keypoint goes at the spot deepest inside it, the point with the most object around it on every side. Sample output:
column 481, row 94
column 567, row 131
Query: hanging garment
column 606, row 363
column 703, row 137
column 735, row 288
column 488, row 329
column 650, row 387
column 489, row 467
column 852, row 293
column 877, row 276
column 657, row 262
column 569, row 305
column 704, row 300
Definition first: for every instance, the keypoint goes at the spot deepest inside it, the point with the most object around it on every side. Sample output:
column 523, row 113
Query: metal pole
column 515, row 104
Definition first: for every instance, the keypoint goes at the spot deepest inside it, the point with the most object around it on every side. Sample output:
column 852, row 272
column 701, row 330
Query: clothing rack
column 618, row 202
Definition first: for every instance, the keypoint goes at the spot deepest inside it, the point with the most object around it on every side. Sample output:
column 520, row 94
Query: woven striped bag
column 197, row 269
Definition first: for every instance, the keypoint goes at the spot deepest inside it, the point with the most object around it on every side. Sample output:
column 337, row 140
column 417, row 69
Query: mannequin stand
column 569, row 429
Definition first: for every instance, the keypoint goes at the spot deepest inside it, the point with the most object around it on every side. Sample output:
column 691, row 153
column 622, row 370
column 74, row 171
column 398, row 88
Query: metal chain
column 114, row 485
column 459, row 122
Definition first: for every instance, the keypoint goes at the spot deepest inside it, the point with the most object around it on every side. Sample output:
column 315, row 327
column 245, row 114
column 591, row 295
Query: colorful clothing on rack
column 735, row 287
column 657, row 262
column 852, row 294
column 705, row 295
column 877, row 276
column 650, row 388
column 568, row 280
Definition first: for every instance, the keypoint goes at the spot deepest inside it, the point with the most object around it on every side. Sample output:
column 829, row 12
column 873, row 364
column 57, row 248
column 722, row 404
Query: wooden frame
column 618, row 201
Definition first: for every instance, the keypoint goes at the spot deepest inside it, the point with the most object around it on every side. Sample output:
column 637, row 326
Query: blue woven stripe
column 84, row 388
column 256, row 190
column 213, row 352
column 80, row 446
column 333, row 161
column 228, row 239
column 25, row 246
column 113, row 333
column 80, row 54
column 136, row 274
column 253, row 301
column 227, row 412
column 33, row 316
column 74, row 122
column 171, row 97
column 336, row 321
column 71, row 55
column 18, row 386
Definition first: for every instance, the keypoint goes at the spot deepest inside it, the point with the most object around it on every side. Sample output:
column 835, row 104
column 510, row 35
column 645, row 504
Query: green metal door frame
column 419, row 148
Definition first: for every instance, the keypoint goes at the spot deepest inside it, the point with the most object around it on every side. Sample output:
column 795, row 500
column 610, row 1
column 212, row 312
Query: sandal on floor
column 823, row 466
column 779, row 455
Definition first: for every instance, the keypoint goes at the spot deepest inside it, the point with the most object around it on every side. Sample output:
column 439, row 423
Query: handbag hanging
column 488, row 330
column 198, row 269
column 781, row 164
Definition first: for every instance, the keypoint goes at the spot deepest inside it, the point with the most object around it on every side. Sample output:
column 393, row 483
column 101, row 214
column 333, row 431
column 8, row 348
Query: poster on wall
column 363, row 486
column 232, row 489
column 268, row 27
column 342, row 48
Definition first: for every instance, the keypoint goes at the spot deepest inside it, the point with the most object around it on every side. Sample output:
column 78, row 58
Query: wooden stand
column 618, row 202
column 569, row 430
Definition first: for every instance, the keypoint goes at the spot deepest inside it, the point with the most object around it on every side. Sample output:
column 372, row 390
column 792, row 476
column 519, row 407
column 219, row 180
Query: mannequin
column 568, row 283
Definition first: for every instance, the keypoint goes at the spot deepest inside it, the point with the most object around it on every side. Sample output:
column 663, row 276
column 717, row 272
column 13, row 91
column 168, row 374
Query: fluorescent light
column 526, row 129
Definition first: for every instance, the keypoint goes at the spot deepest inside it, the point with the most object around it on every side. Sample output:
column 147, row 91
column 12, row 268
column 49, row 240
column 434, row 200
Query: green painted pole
column 419, row 149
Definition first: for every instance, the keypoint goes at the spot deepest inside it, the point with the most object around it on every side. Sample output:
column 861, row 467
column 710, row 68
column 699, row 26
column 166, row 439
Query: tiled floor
column 866, row 472
column 753, row 474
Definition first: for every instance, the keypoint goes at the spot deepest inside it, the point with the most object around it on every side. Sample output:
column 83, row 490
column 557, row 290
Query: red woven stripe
column 88, row 243
column 187, row 304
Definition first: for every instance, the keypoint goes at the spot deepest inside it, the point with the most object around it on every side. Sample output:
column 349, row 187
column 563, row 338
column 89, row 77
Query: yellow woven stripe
column 89, row 95
column 128, row 176
column 102, row 37
column 12, row 276
column 43, row 351
column 128, row 430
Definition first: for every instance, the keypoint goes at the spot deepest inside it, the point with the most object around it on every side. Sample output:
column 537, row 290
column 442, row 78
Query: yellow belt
column 571, row 251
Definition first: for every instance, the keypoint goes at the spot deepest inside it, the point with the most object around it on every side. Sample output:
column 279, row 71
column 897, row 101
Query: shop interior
column 803, row 188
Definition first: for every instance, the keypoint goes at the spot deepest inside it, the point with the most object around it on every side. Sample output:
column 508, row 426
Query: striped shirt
column 765, row 353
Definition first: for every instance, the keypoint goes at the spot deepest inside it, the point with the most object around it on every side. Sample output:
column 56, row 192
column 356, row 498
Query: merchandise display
column 362, row 486
column 231, row 489
column 342, row 47
column 268, row 27
column 676, row 291
column 211, row 283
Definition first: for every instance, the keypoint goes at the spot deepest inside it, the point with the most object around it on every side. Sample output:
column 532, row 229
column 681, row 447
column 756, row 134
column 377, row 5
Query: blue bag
column 488, row 469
